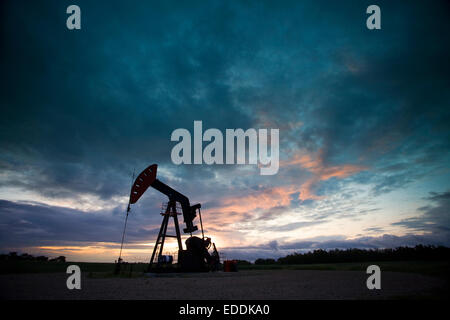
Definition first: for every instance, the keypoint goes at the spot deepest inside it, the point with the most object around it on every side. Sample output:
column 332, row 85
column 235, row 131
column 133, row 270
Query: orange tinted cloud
column 281, row 195
column 321, row 172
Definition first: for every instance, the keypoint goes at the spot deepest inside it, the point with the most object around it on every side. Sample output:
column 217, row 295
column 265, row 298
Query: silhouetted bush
column 13, row 256
column 265, row 261
column 58, row 259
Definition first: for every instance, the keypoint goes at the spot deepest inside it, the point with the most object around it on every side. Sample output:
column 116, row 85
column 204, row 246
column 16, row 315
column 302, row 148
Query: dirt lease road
column 259, row 285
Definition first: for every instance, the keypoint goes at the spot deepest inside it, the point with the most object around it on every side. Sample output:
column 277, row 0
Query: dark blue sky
column 364, row 122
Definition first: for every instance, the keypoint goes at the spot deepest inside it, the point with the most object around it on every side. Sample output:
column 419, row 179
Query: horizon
column 276, row 260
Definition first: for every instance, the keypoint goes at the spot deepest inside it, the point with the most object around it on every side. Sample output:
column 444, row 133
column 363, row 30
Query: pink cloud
column 281, row 195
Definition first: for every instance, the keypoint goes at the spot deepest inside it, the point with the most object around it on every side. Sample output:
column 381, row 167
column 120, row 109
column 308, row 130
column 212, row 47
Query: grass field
column 431, row 268
column 8, row 267
column 401, row 280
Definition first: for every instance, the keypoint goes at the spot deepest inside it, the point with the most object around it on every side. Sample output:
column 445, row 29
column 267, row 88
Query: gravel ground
column 258, row 285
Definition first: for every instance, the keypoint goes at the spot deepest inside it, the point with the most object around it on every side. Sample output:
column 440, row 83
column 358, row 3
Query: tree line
column 419, row 252
column 14, row 256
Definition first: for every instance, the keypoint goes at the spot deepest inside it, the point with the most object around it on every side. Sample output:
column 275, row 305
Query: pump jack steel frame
column 171, row 211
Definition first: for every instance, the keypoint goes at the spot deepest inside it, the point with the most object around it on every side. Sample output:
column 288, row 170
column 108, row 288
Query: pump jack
column 196, row 257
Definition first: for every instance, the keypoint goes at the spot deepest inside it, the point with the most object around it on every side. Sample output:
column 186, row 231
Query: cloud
column 435, row 218
column 297, row 225
column 357, row 111
column 59, row 230
column 374, row 229
column 33, row 224
column 98, row 106
column 321, row 172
